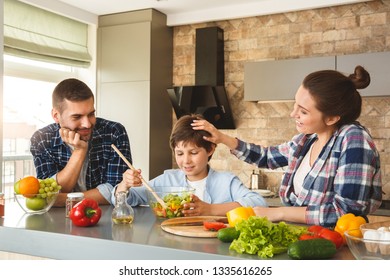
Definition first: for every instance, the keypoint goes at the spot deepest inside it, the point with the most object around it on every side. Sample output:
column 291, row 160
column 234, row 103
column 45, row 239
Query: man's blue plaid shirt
column 105, row 166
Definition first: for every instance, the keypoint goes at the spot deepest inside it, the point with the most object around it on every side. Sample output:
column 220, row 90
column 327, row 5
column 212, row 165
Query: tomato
column 213, row 226
column 333, row 236
column 308, row 236
column 315, row 229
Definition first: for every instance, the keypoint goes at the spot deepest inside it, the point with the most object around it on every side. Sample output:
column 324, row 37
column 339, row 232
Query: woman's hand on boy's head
column 216, row 135
column 206, row 126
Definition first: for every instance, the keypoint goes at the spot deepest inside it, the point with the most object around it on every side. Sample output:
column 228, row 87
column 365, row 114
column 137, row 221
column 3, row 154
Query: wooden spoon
column 159, row 200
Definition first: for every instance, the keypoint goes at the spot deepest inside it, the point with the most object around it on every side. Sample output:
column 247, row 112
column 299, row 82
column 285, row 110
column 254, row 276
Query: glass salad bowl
column 174, row 198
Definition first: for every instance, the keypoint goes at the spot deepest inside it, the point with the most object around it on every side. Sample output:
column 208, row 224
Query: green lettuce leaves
column 260, row 236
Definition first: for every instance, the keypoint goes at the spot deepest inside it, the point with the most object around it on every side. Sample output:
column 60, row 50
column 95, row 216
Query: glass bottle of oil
column 122, row 213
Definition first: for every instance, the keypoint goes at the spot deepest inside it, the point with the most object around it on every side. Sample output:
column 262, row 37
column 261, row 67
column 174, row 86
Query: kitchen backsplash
column 347, row 29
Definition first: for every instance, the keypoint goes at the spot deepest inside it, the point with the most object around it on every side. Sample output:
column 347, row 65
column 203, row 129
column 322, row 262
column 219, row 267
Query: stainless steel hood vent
column 208, row 97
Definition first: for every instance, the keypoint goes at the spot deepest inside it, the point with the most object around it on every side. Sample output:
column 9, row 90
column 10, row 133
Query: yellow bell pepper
column 238, row 214
column 347, row 222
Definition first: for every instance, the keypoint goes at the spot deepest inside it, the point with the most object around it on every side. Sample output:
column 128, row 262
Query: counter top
column 383, row 211
column 51, row 235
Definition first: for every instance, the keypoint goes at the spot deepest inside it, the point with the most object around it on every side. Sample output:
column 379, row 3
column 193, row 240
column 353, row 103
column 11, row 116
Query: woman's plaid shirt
column 346, row 178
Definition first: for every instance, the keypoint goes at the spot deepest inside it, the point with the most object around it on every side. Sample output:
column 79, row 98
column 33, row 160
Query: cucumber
column 312, row 249
column 228, row 234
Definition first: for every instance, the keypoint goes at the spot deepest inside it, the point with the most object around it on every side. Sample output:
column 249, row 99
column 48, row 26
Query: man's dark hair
column 72, row 90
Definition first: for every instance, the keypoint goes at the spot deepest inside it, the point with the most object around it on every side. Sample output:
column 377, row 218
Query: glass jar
column 123, row 213
column 71, row 200
column 2, row 205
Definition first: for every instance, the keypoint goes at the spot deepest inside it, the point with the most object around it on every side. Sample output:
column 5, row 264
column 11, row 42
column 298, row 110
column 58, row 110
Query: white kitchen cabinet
column 278, row 80
column 134, row 71
column 125, row 58
column 377, row 64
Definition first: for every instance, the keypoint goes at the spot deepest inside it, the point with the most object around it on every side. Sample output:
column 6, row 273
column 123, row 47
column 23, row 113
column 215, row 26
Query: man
column 76, row 149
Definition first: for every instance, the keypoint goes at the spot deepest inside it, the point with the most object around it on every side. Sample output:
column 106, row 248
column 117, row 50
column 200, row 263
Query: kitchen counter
column 383, row 211
column 53, row 236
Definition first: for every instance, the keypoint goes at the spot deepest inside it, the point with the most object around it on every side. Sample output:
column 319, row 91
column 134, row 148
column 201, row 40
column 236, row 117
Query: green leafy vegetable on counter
column 260, row 236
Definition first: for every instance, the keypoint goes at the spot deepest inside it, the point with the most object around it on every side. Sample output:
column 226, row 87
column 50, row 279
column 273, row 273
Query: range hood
column 208, row 96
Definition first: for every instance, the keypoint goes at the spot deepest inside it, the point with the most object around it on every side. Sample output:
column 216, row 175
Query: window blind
column 34, row 33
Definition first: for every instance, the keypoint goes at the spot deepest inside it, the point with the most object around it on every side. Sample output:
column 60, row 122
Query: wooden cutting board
column 191, row 226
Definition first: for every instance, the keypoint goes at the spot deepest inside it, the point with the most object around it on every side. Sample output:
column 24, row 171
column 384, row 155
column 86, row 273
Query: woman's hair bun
column 360, row 77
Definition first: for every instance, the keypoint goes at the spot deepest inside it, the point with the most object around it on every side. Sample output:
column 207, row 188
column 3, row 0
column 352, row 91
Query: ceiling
column 181, row 12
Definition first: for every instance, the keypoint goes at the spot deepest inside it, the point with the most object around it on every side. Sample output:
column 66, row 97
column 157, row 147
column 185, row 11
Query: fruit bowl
column 174, row 198
column 370, row 242
column 35, row 203
column 36, row 196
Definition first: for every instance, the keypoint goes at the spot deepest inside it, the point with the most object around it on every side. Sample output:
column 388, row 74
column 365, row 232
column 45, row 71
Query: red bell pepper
column 85, row 213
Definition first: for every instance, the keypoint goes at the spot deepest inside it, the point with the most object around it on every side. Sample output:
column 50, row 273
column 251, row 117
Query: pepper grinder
column 254, row 180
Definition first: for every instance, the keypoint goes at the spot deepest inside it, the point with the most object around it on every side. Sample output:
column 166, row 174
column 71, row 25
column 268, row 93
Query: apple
column 16, row 187
column 35, row 203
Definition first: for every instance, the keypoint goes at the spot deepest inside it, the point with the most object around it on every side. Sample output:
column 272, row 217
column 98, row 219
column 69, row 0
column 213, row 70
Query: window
column 38, row 34
column 27, row 107
column 31, row 71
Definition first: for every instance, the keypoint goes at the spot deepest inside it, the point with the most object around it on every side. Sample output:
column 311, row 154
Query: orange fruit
column 29, row 186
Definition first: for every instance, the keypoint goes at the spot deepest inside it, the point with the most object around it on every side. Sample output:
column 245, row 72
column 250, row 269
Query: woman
column 333, row 166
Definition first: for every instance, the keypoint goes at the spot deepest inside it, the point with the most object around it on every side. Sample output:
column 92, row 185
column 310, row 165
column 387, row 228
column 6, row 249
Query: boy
column 216, row 192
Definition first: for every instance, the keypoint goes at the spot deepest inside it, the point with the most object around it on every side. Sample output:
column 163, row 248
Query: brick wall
column 347, row 29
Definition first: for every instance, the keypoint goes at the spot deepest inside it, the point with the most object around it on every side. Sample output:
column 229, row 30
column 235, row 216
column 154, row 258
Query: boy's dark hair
column 183, row 132
column 72, row 90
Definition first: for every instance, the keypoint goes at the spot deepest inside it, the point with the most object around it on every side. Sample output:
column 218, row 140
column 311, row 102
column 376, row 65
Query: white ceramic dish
column 264, row 193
